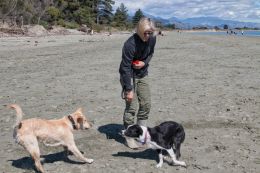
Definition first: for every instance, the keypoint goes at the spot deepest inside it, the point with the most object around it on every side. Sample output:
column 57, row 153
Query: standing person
column 136, row 55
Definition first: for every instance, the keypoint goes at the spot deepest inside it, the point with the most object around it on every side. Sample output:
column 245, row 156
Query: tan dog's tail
column 19, row 113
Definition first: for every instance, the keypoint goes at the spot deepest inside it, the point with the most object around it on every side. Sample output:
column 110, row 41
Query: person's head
column 145, row 28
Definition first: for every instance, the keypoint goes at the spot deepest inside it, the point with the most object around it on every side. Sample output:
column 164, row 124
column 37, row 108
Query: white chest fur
column 146, row 138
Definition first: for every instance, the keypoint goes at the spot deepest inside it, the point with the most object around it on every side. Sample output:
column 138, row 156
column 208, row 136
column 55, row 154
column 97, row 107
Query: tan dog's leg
column 73, row 148
column 36, row 157
column 67, row 152
column 30, row 143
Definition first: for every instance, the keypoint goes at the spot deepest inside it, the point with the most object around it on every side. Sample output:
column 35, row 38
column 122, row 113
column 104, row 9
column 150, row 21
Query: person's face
column 147, row 35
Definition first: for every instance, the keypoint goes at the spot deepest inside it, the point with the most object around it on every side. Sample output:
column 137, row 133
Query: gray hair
column 144, row 24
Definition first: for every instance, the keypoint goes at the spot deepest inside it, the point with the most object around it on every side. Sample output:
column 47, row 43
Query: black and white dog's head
column 137, row 132
column 133, row 131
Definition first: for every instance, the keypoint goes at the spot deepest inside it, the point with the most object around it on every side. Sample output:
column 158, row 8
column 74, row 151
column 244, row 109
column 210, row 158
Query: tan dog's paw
column 89, row 161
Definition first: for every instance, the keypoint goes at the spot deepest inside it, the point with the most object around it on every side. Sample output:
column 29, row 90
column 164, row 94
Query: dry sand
column 210, row 84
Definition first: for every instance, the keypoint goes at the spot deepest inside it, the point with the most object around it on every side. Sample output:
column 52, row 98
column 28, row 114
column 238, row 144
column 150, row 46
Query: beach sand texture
column 210, row 84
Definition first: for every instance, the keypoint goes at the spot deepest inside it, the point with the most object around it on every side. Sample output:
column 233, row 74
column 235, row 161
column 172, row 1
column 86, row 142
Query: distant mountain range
column 209, row 22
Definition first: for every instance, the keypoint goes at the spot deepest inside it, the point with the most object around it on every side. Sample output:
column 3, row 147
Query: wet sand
column 210, row 84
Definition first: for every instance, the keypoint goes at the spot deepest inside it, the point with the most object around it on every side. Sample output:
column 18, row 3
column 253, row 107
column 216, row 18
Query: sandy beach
column 210, row 84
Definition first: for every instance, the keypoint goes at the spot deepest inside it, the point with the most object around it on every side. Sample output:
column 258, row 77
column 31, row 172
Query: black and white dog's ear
column 139, row 130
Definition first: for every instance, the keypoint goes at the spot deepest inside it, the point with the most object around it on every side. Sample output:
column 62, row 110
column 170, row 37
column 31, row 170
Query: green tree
column 104, row 11
column 64, row 12
column 40, row 9
column 171, row 26
column 7, row 7
column 84, row 15
column 138, row 15
column 54, row 14
column 225, row 26
column 24, row 11
column 121, row 16
column 216, row 27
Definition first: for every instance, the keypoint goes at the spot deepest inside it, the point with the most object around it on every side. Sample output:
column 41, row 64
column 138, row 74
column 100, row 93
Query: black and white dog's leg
column 178, row 149
column 175, row 161
column 160, row 158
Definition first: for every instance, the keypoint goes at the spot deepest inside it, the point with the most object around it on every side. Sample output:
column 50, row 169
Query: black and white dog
column 160, row 138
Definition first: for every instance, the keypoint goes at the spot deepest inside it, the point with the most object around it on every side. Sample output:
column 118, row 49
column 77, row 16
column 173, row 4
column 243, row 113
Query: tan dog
column 50, row 132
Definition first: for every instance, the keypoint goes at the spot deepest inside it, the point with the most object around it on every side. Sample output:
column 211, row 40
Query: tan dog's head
column 81, row 120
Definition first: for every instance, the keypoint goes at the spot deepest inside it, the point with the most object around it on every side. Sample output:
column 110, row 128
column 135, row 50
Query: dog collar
column 72, row 122
column 145, row 137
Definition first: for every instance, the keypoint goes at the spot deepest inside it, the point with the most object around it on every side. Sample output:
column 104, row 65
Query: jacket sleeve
column 125, row 69
column 152, row 44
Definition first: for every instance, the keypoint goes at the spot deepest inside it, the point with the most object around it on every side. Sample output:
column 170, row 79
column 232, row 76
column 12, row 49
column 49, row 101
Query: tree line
column 67, row 13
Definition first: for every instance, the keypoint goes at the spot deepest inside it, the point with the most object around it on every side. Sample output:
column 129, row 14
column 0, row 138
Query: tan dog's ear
column 79, row 110
column 80, row 122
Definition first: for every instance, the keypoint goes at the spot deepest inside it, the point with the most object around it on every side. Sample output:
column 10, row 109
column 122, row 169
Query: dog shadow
column 148, row 154
column 113, row 131
column 27, row 163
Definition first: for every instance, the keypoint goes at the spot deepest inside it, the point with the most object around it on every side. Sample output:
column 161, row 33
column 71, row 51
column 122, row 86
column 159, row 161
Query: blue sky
column 240, row 10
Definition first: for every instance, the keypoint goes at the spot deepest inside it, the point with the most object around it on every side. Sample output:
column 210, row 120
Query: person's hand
column 138, row 65
column 129, row 95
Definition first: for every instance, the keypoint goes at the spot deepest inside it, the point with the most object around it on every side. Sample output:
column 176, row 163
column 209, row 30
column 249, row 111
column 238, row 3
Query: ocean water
column 255, row 33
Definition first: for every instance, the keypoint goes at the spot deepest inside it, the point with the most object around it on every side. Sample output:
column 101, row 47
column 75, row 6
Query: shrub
column 71, row 25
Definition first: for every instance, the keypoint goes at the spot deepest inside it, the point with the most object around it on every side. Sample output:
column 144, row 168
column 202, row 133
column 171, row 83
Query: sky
column 239, row 10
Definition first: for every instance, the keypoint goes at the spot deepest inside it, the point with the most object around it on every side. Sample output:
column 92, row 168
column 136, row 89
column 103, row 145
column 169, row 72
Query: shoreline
column 246, row 33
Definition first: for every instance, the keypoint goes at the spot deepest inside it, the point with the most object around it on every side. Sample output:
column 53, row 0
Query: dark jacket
column 135, row 49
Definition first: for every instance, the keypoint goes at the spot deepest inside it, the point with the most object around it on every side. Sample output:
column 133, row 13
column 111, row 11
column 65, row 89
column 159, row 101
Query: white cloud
column 231, row 14
column 246, row 10
column 257, row 12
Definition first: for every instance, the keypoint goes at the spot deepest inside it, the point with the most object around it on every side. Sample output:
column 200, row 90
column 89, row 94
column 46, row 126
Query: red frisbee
column 135, row 62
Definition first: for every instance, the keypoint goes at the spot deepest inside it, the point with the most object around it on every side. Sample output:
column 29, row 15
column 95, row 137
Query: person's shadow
column 27, row 163
column 113, row 131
